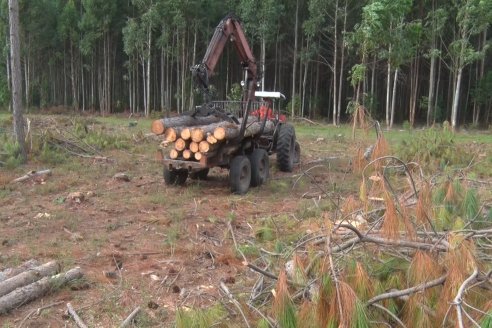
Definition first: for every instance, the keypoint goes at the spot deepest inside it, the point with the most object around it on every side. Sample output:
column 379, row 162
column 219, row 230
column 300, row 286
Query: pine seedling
column 358, row 161
column 324, row 309
column 283, row 306
column 470, row 205
column 424, row 203
column 360, row 281
column 391, row 223
column 307, row 315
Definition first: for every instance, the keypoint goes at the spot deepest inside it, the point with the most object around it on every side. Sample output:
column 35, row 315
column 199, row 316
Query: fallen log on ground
column 159, row 126
column 28, row 293
column 31, row 175
column 29, row 276
column 10, row 272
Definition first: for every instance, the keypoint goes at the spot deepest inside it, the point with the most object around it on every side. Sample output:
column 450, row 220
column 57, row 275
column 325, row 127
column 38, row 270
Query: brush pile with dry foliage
column 409, row 251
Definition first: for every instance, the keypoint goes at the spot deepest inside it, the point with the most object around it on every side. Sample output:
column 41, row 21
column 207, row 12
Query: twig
column 459, row 297
column 224, row 289
column 75, row 316
column 130, row 318
column 408, row 291
column 229, row 225
column 38, row 310
column 391, row 314
column 263, row 272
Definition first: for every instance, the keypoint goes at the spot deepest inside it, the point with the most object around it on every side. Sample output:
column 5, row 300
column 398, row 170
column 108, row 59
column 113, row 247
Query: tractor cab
column 270, row 105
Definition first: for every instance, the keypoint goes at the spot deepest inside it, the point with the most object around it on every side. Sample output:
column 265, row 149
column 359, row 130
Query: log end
column 219, row 133
column 157, row 127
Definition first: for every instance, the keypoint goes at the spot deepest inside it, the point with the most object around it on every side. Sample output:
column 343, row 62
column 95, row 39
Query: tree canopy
column 420, row 61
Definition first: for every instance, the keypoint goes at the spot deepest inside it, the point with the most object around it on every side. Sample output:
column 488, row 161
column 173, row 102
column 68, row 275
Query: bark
column 456, row 100
column 16, row 78
column 159, row 126
column 340, row 81
column 393, row 99
column 335, row 67
column 75, row 316
column 294, row 62
column 388, row 88
column 28, row 277
column 11, row 272
column 430, row 107
column 231, row 131
column 28, row 293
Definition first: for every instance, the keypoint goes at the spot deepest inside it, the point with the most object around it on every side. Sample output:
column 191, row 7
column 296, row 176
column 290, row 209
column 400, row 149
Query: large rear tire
column 260, row 167
column 240, row 175
column 286, row 148
column 175, row 177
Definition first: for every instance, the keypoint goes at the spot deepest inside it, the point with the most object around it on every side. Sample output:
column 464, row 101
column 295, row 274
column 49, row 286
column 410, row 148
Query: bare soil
column 141, row 243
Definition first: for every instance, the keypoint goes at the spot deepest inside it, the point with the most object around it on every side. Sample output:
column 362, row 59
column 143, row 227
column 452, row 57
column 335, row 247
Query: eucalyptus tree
column 434, row 24
column 472, row 18
column 99, row 41
column 68, row 31
column 328, row 22
column 137, row 37
column 16, row 77
column 261, row 18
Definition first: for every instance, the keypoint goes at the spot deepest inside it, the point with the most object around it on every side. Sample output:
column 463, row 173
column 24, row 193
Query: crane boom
column 229, row 28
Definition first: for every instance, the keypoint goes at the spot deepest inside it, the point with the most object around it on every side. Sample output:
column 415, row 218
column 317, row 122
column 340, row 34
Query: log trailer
column 239, row 136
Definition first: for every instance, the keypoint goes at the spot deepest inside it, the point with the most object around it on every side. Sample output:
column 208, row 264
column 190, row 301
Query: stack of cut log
column 30, row 281
column 195, row 137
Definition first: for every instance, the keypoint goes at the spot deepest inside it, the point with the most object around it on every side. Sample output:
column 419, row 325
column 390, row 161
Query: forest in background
column 410, row 62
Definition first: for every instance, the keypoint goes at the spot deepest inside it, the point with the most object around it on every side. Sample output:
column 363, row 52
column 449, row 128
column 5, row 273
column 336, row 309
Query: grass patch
column 200, row 318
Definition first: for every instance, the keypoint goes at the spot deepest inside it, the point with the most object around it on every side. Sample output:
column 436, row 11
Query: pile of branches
column 412, row 256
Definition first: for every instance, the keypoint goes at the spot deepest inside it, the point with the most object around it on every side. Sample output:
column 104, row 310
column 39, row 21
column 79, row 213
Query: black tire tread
column 285, row 146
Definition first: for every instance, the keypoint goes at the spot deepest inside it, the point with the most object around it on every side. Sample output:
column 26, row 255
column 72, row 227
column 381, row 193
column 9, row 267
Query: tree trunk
column 456, row 100
column 393, row 98
column 16, row 78
column 147, row 107
column 335, row 71
column 9, row 81
column 37, row 289
column 294, row 61
column 430, row 107
column 388, row 90
column 263, row 51
column 342, row 59
column 193, row 63
column 75, row 102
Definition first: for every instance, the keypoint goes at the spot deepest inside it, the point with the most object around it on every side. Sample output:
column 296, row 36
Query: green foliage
column 487, row 320
column 199, row 318
column 51, row 155
column 10, row 155
column 236, row 92
column 297, row 105
column 434, row 148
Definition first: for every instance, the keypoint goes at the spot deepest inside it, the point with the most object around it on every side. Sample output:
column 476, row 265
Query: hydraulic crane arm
column 229, row 28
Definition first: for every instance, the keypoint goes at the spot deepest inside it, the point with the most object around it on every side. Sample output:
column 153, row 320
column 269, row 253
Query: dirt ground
column 141, row 243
